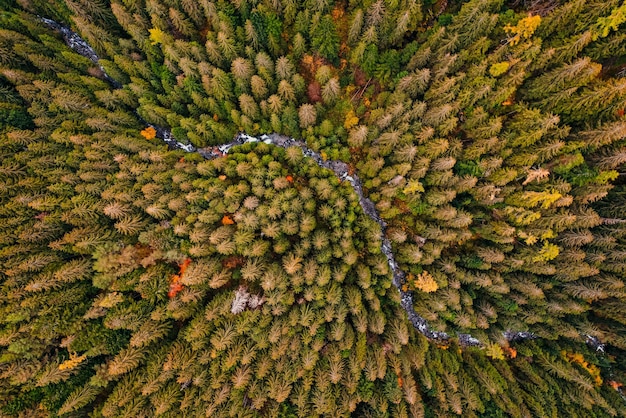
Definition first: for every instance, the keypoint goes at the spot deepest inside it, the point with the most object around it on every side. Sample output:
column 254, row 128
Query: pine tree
column 307, row 115
column 324, row 39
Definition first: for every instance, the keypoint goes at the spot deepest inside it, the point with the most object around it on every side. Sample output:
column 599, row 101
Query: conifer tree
column 486, row 144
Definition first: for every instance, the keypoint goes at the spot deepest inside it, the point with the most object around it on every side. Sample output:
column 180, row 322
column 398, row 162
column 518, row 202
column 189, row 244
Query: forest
column 338, row 208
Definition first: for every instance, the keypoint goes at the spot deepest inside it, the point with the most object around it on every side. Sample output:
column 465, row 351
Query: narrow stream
column 341, row 170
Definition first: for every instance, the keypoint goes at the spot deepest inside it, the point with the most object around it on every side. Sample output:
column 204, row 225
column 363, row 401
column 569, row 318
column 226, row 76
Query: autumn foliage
column 175, row 284
column 578, row 358
column 148, row 133
column 424, row 282
column 489, row 142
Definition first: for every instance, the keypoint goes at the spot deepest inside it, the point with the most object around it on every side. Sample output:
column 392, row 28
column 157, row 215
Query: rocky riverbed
column 341, row 170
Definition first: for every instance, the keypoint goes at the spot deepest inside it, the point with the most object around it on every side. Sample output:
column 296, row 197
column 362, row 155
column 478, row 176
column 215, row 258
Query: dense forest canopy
column 139, row 279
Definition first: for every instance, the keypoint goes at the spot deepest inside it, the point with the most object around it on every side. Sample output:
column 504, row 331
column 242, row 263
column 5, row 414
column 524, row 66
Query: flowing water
column 341, row 170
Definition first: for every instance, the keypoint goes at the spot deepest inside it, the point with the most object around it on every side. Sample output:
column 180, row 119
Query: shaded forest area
column 140, row 281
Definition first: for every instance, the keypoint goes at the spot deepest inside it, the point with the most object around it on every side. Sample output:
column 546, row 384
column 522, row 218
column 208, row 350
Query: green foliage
column 141, row 281
column 325, row 40
column 13, row 116
column 444, row 19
